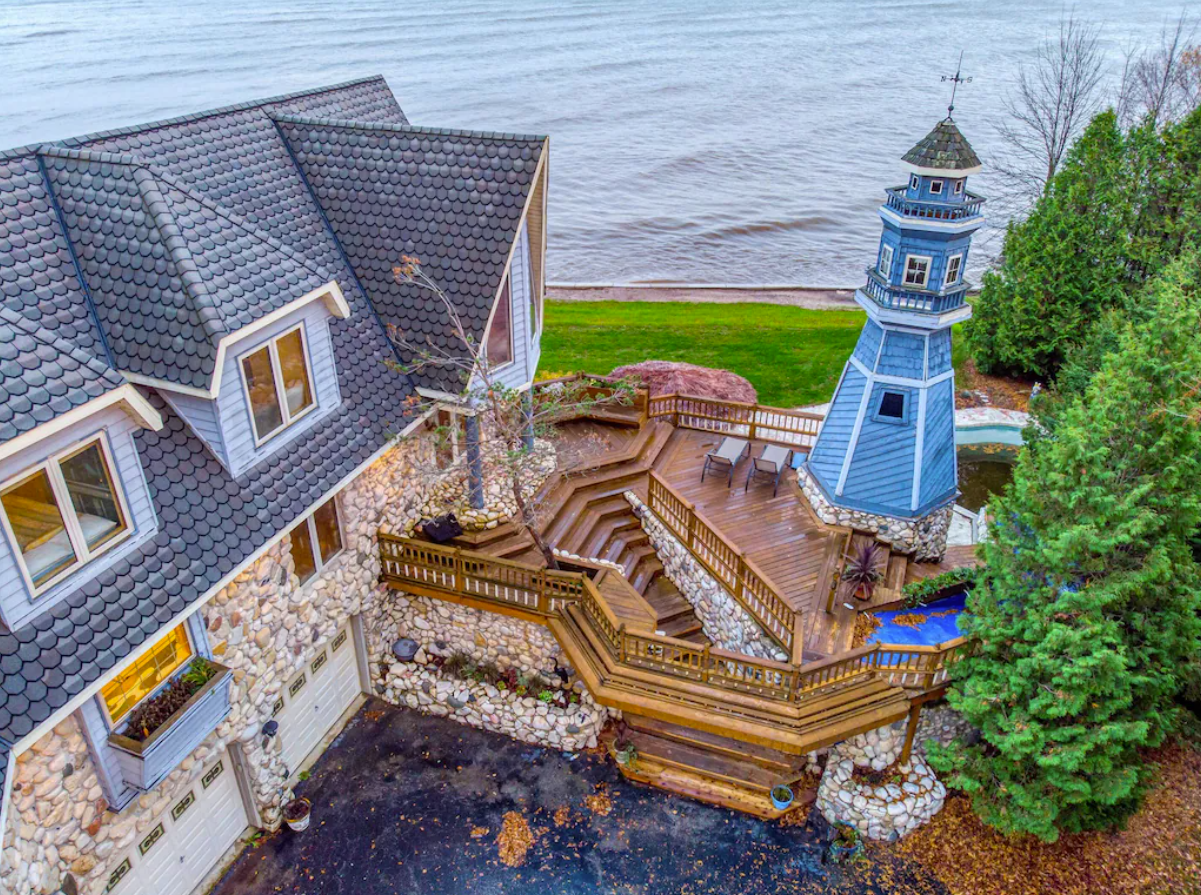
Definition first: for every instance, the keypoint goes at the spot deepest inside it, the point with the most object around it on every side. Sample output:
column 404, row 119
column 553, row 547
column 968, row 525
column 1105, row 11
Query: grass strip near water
column 793, row 356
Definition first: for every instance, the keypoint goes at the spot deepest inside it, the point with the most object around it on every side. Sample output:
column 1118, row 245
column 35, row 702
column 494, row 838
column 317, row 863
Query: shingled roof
column 452, row 199
column 943, row 149
column 145, row 244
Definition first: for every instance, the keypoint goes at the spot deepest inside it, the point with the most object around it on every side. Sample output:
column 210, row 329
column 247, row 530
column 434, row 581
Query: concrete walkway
column 405, row 804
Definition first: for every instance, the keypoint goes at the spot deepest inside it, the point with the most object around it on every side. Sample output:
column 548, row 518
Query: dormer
column 230, row 326
column 73, row 497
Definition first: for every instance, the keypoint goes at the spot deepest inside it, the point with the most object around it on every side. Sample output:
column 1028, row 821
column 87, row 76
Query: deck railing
column 793, row 428
column 507, row 585
column 749, row 586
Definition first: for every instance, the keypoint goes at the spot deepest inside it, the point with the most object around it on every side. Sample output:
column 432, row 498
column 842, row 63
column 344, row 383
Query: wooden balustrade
column 742, row 578
column 509, row 585
column 793, row 428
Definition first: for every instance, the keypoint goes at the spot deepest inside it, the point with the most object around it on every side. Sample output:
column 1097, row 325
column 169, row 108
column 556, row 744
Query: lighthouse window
column 885, row 266
column 954, row 269
column 917, row 270
column 914, row 183
column 935, row 187
column 958, row 187
column 892, row 405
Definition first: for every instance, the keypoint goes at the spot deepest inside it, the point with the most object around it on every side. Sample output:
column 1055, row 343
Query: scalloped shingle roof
column 944, row 149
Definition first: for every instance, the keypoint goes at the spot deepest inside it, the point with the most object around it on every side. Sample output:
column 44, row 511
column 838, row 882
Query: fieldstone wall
column 885, row 811
column 925, row 538
column 265, row 626
column 943, row 725
column 876, row 749
column 724, row 621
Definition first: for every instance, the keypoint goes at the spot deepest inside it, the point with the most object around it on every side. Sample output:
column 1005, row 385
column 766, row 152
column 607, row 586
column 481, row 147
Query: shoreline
column 815, row 298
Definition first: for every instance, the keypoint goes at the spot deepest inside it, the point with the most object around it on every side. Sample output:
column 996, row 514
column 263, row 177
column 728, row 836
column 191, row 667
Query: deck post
column 705, row 663
column 527, row 409
column 621, row 642
column 459, row 585
column 798, row 638
column 475, row 464
column 914, row 711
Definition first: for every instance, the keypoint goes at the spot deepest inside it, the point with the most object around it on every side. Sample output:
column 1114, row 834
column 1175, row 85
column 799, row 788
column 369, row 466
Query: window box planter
column 144, row 763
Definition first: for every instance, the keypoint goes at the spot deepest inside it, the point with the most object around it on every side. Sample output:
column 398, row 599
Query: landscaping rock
column 669, row 377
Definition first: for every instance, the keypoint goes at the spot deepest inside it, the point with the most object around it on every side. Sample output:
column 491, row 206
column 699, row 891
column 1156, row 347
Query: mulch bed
column 1158, row 853
column 976, row 389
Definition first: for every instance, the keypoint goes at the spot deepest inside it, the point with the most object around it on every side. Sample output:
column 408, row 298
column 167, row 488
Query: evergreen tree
column 1121, row 207
column 1086, row 611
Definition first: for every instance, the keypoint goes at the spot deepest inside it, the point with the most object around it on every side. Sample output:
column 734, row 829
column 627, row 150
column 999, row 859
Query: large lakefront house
column 211, row 465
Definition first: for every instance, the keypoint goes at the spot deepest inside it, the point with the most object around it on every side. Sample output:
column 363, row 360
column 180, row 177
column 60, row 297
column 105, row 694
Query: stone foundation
column 925, row 537
column 943, row 725
column 724, row 621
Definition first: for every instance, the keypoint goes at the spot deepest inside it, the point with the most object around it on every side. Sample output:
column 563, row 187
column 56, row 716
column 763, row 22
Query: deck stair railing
column 794, row 428
column 749, row 586
column 507, row 586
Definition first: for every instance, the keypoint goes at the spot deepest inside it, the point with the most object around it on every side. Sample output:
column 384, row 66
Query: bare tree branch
column 1162, row 84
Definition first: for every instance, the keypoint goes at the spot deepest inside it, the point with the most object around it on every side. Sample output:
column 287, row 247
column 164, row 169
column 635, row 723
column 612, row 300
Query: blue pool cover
column 937, row 628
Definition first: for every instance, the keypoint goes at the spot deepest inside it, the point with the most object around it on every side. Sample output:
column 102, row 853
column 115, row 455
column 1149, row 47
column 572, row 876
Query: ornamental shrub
column 1086, row 609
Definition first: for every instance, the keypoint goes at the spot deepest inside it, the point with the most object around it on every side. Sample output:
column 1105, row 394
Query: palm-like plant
column 861, row 571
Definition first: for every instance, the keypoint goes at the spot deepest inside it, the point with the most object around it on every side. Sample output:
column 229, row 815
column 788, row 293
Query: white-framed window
column 278, row 381
column 935, row 187
column 316, row 540
column 915, row 182
column 885, row 265
column 65, row 512
column 917, row 270
column 958, row 187
column 954, row 270
column 499, row 347
column 141, row 679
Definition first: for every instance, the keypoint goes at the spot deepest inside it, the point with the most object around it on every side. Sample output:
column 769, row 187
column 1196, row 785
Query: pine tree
column 1087, row 608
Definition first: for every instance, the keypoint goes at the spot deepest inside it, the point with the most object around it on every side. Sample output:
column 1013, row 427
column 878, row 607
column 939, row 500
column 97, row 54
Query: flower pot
column 840, row 854
column 297, row 814
column 781, row 797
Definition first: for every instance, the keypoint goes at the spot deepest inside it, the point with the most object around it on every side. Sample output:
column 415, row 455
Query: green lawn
column 791, row 355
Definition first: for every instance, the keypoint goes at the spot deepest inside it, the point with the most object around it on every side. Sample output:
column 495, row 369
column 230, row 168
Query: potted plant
column 845, row 845
column 297, row 814
column 781, row 796
column 861, row 572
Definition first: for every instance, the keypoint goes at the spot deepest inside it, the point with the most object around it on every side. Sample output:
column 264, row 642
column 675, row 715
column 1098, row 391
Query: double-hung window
column 885, row 265
column 917, row 270
column 279, row 386
column 64, row 512
column 954, row 270
column 316, row 540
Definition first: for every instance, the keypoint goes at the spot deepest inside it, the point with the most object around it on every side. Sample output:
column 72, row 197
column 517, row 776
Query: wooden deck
column 781, row 535
column 955, row 558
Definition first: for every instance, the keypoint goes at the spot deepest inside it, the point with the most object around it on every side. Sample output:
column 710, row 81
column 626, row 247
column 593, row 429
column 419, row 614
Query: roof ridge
column 345, row 124
column 193, row 280
column 71, row 143
column 91, row 155
column 245, row 227
column 36, row 331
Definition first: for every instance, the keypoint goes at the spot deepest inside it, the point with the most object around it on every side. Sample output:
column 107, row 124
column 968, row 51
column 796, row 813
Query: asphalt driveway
column 405, row 804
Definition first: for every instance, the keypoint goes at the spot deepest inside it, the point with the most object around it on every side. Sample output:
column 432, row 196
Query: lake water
column 706, row 141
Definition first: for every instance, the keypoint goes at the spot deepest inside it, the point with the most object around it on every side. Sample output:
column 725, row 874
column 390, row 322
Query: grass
column 792, row 356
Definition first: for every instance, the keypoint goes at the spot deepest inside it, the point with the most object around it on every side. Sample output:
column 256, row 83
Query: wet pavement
column 405, row 804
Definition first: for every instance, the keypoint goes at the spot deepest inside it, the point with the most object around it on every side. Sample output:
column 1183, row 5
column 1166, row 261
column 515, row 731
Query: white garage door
column 316, row 698
column 178, row 851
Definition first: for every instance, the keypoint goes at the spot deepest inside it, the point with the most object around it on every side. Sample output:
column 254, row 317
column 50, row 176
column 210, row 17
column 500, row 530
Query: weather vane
column 956, row 79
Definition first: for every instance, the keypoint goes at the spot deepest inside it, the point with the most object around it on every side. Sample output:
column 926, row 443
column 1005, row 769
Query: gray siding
column 94, row 726
column 939, row 360
column 201, row 416
column 233, row 409
column 17, row 604
column 868, row 345
column 525, row 351
column 904, row 355
column 939, row 473
column 881, row 475
column 831, row 448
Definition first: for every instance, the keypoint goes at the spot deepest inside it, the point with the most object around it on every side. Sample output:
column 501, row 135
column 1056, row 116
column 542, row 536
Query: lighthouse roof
column 943, row 151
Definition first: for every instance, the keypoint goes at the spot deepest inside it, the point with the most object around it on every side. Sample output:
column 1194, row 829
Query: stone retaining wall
column 724, row 621
column 925, row 538
column 885, row 811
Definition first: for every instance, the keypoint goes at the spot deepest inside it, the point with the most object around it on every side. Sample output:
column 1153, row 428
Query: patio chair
column 770, row 464
column 728, row 454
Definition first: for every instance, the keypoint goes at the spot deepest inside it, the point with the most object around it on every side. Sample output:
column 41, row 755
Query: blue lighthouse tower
column 884, row 460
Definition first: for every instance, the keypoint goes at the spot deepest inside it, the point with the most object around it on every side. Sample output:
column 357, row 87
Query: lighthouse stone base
column 925, row 536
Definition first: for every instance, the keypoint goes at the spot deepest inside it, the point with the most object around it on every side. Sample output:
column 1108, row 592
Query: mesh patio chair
column 727, row 456
column 770, row 464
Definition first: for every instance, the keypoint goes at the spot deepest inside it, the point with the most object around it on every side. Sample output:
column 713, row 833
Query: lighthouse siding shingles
column 234, row 160
column 938, row 446
column 868, row 346
column 881, row 474
column 826, row 460
column 904, row 355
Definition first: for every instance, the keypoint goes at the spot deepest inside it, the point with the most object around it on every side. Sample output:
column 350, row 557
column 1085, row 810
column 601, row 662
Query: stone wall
column 724, row 621
column 942, row 724
column 925, row 538
column 265, row 626
column 884, row 810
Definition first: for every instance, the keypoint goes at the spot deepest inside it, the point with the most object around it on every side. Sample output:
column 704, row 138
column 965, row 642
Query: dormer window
column 64, row 512
column 917, row 270
column 499, row 350
column 935, row 187
column 278, row 383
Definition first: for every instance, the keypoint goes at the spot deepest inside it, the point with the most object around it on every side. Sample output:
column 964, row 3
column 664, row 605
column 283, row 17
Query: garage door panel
column 317, row 697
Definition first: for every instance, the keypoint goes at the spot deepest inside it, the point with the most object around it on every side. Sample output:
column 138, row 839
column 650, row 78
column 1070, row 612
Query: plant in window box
column 153, row 713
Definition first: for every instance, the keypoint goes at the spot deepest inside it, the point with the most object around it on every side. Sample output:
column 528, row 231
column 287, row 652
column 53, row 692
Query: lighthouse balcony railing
column 908, row 298
column 969, row 207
